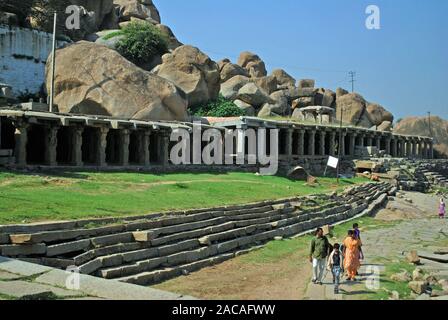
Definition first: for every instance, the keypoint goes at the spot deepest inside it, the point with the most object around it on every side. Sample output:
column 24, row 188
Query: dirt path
column 288, row 275
column 242, row 279
column 421, row 231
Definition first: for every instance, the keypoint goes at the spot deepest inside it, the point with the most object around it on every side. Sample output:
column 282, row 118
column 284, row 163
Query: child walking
column 334, row 264
column 442, row 209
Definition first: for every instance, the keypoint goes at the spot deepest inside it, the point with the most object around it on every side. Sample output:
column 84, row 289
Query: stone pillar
column 378, row 142
column 408, row 148
column 342, row 143
column 21, row 139
column 124, row 147
column 301, row 143
column 332, row 143
column 77, row 146
column 394, row 152
column 164, row 146
column 431, row 149
column 402, row 148
column 388, row 147
column 288, row 142
column 427, row 154
column 101, row 147
column 144, row 148
column 322, row 143
column 51, row 143
column 361, row 140
column 369, row 141
column 421, row 147
column 352, row 140
column 312, row 142
column 414, row 148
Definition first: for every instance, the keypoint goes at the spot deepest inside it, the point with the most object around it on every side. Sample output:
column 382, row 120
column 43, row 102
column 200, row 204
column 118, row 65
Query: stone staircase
column 149, row 249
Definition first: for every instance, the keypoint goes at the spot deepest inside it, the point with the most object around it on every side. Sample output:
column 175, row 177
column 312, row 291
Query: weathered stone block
column 91, row 266
column 140, row 255
column 145, row 236
column 25, row 249
column 112, row 239
column 64, row 248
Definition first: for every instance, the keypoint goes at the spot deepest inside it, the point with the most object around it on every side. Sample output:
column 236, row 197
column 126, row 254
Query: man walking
column 319, row 250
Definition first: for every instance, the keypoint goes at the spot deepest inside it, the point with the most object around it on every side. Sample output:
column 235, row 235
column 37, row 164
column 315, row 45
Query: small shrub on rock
column 222, row 107
column 142, row 42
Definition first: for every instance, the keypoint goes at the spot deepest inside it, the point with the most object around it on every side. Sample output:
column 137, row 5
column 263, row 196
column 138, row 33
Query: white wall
column 23, row 54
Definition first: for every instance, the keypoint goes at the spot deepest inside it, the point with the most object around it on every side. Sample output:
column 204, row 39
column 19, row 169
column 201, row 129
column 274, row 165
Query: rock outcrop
column 93, row 79
column 253, row 64
column 192, row 71
column 378, row 114
column 283, row 78
column 436, row 127
column 353, row 108
column 141, row 9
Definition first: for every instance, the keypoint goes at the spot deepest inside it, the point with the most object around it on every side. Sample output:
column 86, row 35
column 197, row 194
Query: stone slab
column 21, row 267
column 110, row 289
column 433, row 257
column 20, row 289
column 28, row 249
column 9, row 276
column 68, row 247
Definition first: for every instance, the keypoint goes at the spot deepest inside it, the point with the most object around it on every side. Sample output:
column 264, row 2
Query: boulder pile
column 195, row 77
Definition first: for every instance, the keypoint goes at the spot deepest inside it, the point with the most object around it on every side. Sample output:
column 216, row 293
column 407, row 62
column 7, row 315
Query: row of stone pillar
column 396, row 146
column 98, row 145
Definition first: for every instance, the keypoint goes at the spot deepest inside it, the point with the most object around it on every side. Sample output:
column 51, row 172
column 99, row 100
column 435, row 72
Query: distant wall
column 23, row 55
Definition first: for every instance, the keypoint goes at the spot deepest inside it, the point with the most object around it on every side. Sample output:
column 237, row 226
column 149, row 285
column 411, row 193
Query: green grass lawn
column 45, row 196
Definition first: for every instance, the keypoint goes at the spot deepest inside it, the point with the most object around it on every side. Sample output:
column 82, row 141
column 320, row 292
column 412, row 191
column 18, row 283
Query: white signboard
column 333, row 162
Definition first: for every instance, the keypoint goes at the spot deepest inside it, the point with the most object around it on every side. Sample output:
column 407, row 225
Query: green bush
column 141, row 42
column 222, row 107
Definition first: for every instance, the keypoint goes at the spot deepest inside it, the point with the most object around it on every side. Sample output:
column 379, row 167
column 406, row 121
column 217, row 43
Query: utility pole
column 352, row 75
column 53, row 62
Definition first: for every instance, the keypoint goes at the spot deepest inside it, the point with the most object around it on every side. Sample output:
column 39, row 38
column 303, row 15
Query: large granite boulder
column 254, row 95
column 303, row 102
column 100, row 9
column 341, row 92
column 279, row 106
column 325, row 97
column 192, row 71
column 173, row 43
column 353, row 108
column 247, row 108
column 385, row 126
column 253, row 64
column 141, row 9
column 306, row 83
column 230, row 70
column 435, row 127
column 378, row 114
column 230, row 88
column 268, row 83
column 93, row 79
column 283, row 78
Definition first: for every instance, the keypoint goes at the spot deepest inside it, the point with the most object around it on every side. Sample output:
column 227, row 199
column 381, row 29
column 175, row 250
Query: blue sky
column 403, row 66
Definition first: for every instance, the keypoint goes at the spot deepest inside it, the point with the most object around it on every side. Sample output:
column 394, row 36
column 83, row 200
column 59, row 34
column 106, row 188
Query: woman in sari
column 352, row 246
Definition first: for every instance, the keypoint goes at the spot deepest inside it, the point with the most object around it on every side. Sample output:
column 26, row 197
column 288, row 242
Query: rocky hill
column 109, row 25
column 420, row 126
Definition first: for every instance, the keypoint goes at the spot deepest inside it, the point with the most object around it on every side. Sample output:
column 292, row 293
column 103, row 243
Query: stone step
column 144, row 277
column 225, row 247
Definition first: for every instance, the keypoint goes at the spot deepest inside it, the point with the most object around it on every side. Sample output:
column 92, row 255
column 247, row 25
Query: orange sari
column 351, row 258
